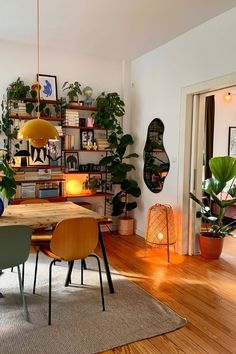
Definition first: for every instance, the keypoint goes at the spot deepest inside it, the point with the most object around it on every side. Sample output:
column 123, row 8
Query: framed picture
column 48, row 87
column 98, row 177
column 86, row 138
column 71, row 161
column 38, row 156
column 232, row 142
column 54, row 153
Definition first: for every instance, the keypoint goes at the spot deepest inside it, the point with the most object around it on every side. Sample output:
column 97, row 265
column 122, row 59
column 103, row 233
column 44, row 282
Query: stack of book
column 71, row 117
column 59, row 130
column 69, row 142
column 20, row 110
column 102, row 143
column 28, row 190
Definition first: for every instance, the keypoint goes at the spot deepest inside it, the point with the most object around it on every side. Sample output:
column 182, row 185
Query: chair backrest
column 15, row 243
column 75, row 238
column 34, row 201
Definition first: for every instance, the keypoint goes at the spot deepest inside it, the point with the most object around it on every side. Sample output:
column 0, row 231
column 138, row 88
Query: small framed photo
column 48, row 87
column 71, row 161
column 232, row 142
column 98, row 177
column 86, row 138
column 38, row 156
column 54, row 153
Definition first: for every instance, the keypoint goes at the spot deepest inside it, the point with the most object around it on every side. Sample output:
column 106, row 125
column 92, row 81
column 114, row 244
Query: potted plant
column 116, row 164
column 74, row 90
column 110, row 109
column 223, row 170
column 7, row 181
column 91, row 184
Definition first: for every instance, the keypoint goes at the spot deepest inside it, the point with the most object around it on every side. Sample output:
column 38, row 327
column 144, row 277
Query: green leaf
column 223, row 168
column 131, row 206
column 212, row 185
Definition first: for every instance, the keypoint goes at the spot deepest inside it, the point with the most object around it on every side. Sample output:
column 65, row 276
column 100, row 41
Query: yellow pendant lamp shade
column 38, row 132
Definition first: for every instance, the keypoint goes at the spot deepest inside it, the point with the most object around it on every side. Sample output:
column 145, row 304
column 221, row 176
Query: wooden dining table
column 45, row 215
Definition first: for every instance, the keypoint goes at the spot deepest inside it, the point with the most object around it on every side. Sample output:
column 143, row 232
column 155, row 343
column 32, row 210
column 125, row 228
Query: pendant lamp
column 38, row 131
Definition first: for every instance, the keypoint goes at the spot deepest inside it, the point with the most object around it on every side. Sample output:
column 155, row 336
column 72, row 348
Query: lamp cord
column 37, row 49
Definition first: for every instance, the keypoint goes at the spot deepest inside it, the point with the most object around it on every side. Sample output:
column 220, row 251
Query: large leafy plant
column 110, row 109
column 116, row 164
column 7, row 180
column 223, row 170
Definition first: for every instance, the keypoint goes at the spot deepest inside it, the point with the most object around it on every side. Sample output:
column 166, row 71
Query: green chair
column 15, row 243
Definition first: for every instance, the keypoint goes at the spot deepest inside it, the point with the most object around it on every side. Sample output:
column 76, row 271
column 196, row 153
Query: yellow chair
column 40, row 237
column 72, row 239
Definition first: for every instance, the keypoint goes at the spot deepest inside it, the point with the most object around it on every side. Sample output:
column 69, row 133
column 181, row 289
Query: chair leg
column 82, row 272
column 84, row 264
column 23, row 275
column 22, row 295
column 35, row 271
column 50, row 291
column 68, row 277
column 100, row 277
column 12, row 269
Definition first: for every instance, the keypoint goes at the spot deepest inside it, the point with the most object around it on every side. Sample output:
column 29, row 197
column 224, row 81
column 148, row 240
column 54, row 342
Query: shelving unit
column 25, row 174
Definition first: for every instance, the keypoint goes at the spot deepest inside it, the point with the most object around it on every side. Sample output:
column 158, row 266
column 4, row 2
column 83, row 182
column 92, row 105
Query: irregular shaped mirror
column 156, row 161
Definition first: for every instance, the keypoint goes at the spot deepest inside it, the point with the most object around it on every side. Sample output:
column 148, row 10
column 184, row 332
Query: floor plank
column 202, row 291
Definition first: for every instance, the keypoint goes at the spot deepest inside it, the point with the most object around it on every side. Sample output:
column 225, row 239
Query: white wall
column 225, row 117
column 203, row 53
column 20, row 60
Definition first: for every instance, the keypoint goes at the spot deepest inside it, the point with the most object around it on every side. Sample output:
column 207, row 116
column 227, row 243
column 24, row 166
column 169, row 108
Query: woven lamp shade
column 160, row 226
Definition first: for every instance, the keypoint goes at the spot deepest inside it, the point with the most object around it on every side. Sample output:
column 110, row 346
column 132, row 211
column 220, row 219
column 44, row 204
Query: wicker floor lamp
column 160, row 229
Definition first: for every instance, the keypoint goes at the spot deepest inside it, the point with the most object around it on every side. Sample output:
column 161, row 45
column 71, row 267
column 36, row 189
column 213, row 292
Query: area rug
column 78, row 323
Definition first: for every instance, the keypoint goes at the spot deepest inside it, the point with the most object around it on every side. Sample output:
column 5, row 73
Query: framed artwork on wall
column 86, row 138
column 98, row 178
column 48, row 87
column 38, row 156
column 54, row 153
column 71, row 161
column 232, row 142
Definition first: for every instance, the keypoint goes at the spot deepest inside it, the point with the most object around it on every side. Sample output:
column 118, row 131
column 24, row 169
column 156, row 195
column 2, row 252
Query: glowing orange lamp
column 228, row 97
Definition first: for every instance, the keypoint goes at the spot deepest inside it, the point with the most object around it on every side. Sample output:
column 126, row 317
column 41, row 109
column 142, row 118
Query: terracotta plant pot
column 210, row 247
column 126, row 226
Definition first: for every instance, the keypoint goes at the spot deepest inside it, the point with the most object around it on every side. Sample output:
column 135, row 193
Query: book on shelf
column 69, row 142
column 102, row 143
column 59, row 130
column 28, row 190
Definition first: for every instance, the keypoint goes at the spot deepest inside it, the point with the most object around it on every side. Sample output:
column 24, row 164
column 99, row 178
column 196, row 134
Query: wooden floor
column 204, row 292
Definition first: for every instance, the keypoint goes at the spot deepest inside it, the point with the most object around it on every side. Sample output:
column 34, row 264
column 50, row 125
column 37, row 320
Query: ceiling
column 123, row 29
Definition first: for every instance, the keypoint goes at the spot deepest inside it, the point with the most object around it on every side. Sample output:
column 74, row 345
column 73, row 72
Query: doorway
column 191, row 153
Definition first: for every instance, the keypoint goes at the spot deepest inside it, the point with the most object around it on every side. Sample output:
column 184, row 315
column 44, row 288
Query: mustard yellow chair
column 72, row 239
column 40, row 237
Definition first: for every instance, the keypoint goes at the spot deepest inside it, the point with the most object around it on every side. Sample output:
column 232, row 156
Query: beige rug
column 78, row 323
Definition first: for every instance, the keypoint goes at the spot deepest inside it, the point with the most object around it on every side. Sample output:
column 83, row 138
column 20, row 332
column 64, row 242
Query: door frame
column 187, row 155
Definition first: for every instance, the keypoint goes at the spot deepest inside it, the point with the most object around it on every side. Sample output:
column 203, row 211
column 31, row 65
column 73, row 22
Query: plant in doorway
column 223, row 171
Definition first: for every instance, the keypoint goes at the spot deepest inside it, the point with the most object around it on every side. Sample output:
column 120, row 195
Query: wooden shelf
column 26, row 117
column 51, row 199
column 45, row 101
column 85, row 172
column 80, row 127
column 79, row 150
column 47, row 167
column 40, row 180
column 90, row 195
column 82, row 108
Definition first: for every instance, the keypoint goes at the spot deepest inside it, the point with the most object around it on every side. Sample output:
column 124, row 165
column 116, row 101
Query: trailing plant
column 17, row 91
column 7, row 180
column 223, row 170
column 6, row 125
column 116, row 164
column 74, row 90
column 110, row 109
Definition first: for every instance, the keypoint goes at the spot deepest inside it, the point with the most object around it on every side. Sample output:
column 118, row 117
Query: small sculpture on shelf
column 90, row 122
column 88, row 91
